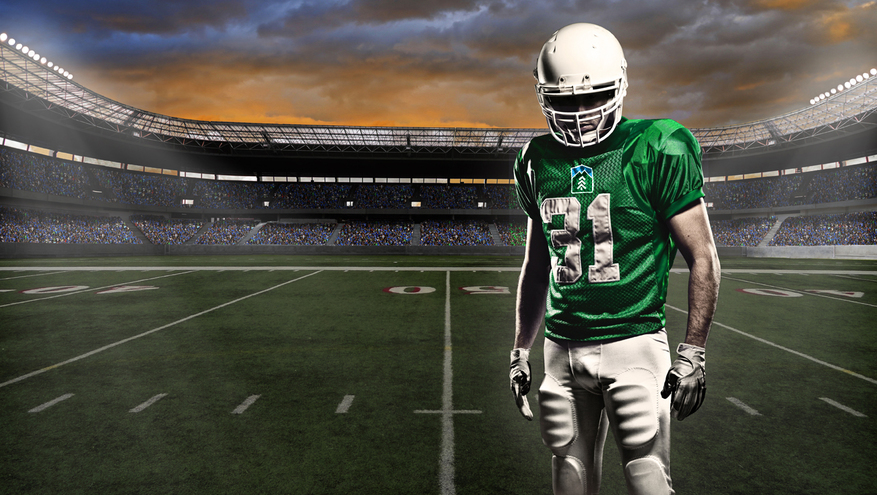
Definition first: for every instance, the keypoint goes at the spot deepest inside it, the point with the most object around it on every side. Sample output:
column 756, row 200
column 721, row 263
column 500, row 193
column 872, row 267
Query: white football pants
column 589, row 387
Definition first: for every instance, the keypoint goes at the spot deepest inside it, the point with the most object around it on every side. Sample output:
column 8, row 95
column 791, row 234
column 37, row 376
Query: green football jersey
column 603, row 211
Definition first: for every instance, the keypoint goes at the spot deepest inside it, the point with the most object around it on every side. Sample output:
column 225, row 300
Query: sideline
column 149, row 332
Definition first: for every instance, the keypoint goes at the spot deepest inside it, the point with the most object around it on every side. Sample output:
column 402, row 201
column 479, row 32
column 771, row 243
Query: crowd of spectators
column 455, row 233
column 230, row 195
column 297, row 195
column 512, row 233
column 765, row 192
column 141, row 189
column 375, row 233
column 36, row 173
column 844, row 184
column 161, row 230
column 226, row 232
column 293, row 234
column 827, row 186
column 29, row 225
column 741, row 231
column 828, row 230
column 383, row 196
column 499, row 196
column 447, row 196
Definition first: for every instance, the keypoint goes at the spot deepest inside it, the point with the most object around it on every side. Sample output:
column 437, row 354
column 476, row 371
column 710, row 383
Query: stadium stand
column 160, row 230
column 741, row 231
column 131, row 191
column 455, row 233
column 30, row 225
column 375, row 233
column 287, row 234
column 828, row 230
column 226, row 232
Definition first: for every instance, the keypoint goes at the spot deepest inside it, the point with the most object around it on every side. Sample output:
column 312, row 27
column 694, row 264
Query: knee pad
column 569, row 477
column 646, row 476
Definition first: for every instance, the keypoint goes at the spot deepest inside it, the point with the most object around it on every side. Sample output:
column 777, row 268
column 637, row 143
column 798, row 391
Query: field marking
column 843, row 407
column 741, row 405
column 446, row 458
column 33, row 275
column 217, row 268
column 801, row 354
column 345, row 404
column 50, row 403
column 245, row 404
column 149, row 332
column 801, row 291
column 152, row 400
column 91, row 289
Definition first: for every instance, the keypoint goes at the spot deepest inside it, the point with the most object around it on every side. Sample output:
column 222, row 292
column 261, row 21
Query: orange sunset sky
column 455, row 63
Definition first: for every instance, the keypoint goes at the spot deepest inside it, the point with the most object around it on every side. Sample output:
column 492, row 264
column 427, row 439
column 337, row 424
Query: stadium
column 222, row 307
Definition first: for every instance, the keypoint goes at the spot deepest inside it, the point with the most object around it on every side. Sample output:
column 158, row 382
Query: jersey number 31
column 603, row 269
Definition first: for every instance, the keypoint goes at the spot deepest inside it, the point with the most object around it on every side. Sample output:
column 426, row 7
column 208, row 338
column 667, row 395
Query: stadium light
column 859, row 78
column 32, row 54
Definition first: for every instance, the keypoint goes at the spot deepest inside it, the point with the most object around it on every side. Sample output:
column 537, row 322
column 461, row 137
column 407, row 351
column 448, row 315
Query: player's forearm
column 529, row 307
column 703, row 295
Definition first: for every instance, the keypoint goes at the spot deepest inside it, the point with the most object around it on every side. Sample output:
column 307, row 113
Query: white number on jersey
column 603, row 269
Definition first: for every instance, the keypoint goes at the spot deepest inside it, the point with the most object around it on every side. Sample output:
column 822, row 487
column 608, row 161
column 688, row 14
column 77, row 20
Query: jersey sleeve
column 524, row 184
column 677, row 178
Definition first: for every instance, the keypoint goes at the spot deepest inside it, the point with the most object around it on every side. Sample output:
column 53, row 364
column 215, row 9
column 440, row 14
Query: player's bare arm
column 532, row 288
column 686, row 381
column 530, row 310
column 691, row 230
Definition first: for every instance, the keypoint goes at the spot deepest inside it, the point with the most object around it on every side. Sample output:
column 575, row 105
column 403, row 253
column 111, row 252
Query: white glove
column 686, row 381
column 520, row 378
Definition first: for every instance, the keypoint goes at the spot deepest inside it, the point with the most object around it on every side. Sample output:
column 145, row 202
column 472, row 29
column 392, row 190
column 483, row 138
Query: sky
column 442, row 63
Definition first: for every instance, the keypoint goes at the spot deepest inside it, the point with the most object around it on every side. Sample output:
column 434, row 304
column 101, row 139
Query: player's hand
column 686, row 381
column 520, row 378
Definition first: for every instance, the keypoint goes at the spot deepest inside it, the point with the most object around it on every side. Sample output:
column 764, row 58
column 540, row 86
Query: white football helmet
column 581, row 79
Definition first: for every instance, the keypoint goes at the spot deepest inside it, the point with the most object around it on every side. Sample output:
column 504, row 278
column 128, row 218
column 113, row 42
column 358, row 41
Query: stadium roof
column 30, row 80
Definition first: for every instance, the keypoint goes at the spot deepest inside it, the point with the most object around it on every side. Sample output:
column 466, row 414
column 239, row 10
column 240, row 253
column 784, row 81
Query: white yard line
column 801, row 354
column 246, row 404
column 50, row 403
column 33, row 275
column 144, row 334
column 446, row 458
column 151, row 401
column 843, row 407
column 741, row 405
column 92, row 289
column 345, row 404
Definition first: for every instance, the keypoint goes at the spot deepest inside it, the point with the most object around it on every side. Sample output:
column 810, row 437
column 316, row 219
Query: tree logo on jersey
column 582, row 179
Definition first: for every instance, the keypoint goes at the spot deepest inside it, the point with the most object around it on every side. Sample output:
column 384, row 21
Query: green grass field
column 324, row 375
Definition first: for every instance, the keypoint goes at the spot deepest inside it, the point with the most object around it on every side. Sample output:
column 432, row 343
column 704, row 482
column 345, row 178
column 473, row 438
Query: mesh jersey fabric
column 603, row 211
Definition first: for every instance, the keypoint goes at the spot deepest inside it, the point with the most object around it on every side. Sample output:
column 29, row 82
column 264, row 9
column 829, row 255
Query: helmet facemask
column 582, row 119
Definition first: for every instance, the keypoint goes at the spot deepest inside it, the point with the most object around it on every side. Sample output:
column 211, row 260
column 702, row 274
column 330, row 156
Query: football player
column 609, row 201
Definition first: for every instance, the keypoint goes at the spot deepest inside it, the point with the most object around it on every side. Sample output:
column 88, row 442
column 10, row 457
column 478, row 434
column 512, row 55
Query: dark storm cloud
column 457, row 62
